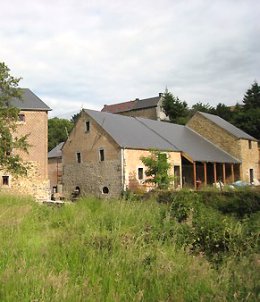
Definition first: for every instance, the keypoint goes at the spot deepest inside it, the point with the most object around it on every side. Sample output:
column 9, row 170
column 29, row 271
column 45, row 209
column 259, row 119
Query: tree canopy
column 175, row 109
column 58, row 130
column 10, row 142
column 157, row 169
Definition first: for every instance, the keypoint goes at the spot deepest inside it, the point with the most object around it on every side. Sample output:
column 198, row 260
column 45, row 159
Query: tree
column 201, row 107
column 224, row 112
column 10, row 143
column 157, row 169
column 174, row 108
column 247, row 116
column 251, row 98
column 75, row 117
column 58, row 131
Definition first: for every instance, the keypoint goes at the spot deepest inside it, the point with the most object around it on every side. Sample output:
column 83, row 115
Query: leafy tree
column 174, row 108
column 251, row 98
column 201, row 107
column 157, row 169
column 58, row 130
column 224, row 112
column 10, row 143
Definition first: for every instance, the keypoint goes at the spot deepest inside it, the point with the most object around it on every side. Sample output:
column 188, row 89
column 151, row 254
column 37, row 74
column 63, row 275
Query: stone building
column 55, row 167
column 230, row 139
column 102, row 154
column 33, row 120
column 148, row 108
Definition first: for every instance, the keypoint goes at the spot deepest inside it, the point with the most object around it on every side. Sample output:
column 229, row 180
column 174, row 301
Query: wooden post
column 232, row 173
column 224, row 173
column 205, row 174
column 194, row 174
column 215, row 172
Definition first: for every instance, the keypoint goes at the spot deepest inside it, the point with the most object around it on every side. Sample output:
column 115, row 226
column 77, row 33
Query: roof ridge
column 161, row 136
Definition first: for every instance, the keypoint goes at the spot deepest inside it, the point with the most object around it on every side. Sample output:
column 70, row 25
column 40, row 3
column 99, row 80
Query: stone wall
column 31, row 184
column 150, row 113
column 91, row 174
column 215, row 134
column 250, row 159
column 239, row 148
column 36, row 125
column 93, row 178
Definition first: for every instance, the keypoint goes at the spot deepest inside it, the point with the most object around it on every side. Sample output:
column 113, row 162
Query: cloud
column 97, row 52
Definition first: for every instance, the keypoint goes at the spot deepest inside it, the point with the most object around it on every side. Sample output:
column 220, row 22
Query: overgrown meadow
column 118, row 250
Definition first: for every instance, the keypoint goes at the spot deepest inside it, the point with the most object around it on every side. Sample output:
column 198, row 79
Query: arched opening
column 105, row 190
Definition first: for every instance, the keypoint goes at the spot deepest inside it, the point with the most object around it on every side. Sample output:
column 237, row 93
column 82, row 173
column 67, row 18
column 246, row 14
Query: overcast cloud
column 83, row 53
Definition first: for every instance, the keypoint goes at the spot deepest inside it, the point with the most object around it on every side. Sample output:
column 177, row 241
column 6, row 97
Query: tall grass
column 97, row 250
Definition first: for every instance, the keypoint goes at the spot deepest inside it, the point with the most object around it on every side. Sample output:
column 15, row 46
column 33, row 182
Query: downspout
column 123, row 168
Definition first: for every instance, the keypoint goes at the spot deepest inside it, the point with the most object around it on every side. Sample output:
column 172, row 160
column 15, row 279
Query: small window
column 5, row 180
column 78, row 157
column 21, row 117
column 140, row 173
column 105, row 190
column 250, row 144
column 101, row 155
column 87, row 126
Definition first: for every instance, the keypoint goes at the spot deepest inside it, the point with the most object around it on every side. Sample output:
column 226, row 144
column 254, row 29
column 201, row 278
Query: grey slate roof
column 227, row 126
column 146, row 103
column 140, row 133
column 128, row 132
column 56, row 151
column 29, row 101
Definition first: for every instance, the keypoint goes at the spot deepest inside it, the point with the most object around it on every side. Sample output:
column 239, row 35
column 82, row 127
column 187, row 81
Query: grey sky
column 83, row 53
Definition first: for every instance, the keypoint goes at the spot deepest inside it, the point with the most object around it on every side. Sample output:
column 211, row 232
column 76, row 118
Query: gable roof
column 227, row 126
column 29, row 101
column 140, row 133
column 56, row 151
column 120, row 107
column 132, row 105
column 128, row 132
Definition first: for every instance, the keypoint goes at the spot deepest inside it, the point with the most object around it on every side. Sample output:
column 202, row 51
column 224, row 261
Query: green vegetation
column 9, row 116
column 245, row 116
column 157, row 169
column 58, row 131
column 98, row 250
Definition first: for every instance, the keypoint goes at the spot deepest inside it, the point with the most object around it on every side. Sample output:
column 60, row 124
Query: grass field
column 96, row 250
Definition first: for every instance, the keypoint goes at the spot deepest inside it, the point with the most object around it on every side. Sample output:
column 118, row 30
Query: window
column 250, row 144
column 105, row 190
column 140, row 173
column 21, row 117
column 87, row 126
column 5, row 180
column 78, row 157
column 101, row 155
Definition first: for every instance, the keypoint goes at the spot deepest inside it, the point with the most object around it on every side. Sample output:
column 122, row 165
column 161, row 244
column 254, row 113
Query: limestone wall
column 27, row 185
column 215, row 134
